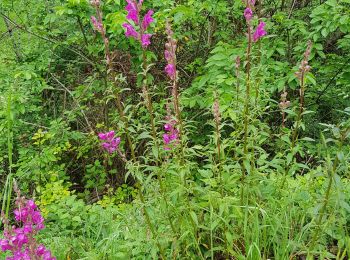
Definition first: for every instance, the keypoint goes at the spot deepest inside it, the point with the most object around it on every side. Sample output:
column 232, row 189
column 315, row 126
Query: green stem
column 150, row 226
column 149, row 103
column 246, row 110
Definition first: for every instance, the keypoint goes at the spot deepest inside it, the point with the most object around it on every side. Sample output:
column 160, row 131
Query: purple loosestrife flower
column 146, row 39
column 172, row 136
column 20, row 240
column 147, row 20
column 170, row 53
column 130, row 31
column 97, row 25
column 259, row 32
column 111, row 143
column 133, row 8
column 133, row 11
column 248, row 14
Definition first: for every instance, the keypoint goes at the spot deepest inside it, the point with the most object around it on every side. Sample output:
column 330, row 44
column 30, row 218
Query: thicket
column 175, row 129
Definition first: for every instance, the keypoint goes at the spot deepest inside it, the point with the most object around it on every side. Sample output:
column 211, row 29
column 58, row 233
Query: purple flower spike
column 170, row 54
column 171, row 71
column 130, row 31
column 20, row 240
column 146, row 39
column 147, row 20
column 259, row 32
column 5, row 245
column 138, row 31
column 172, row 135
column 111, row 143
column 40, row 250
column 133, row 13
column 248, row 14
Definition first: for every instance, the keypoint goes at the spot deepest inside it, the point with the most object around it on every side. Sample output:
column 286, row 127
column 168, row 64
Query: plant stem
column 150, row 226
column 246, row 108
column 148, row 101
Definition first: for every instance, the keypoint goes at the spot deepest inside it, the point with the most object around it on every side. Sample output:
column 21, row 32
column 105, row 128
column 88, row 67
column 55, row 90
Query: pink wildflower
column 133, row 8
column 133, row 12
column 20, row 240
column 171, row 71
column 97, row 25
column 259, row 32
column 170, row 54
column 111, row 143
column 130, row 31
column 172, row 135
column 248, row 14
column 146, row 39
column 147, row 20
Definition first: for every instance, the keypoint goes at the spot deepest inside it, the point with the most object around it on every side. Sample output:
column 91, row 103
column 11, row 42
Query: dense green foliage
column 241, row 184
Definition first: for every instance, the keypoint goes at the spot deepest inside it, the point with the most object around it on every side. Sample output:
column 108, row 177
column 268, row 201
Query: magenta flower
column 111, row 143
column 5, row 245
column 130, row 31
column 133, row 12
column 40, row 250
column 146, row 39
column 248, row 14
column 147, row 20
column 259, row 32
column 172, row 135
column 97, row 25
column 171, row 71
column 133, row 8
column 170, row 54
column 20, row 240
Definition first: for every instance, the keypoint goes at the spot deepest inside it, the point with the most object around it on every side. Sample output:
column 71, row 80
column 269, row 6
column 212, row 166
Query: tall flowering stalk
column 283, row 105
column 133, row 8
column 20, row 239
column 304, row 68
column 136, row 28
column 171, row 72
column 97, row 23
column 252, row 38
column 237, row 65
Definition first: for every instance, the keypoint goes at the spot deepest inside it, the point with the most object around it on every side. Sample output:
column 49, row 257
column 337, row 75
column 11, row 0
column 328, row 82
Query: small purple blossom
column 172, row 135
column 146, row 39
column 133, row 12
column 133, row 8
column 130, row 31
column 111, row 143
column 147, row 20
column 97, row 25
column 20, row 240
column 171, row 71
column 248, row 14
column 170, row 54
column 259, row 32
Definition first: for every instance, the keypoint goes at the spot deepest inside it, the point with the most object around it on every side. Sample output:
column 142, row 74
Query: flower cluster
column 111, row 143
column 170, row 53
column 259, row 32
column 20, row 240
column 304, row 66
column 171, row 137
column 133, row 8
column 248, row 14
column 284, row 104
column 97, row 25
column 97, row 22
